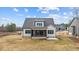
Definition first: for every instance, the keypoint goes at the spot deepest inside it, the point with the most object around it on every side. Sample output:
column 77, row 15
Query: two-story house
column 39, row 27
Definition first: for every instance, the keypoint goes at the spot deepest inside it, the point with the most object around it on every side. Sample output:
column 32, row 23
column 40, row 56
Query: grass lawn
column 17, row 43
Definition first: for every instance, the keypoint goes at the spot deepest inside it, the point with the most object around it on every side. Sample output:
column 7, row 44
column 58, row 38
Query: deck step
column 52, row 39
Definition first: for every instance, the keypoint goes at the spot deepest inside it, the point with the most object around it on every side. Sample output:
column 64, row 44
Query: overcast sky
column 18, row 14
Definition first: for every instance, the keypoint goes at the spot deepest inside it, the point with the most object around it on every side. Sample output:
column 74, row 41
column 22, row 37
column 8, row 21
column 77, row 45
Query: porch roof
column 39, row 28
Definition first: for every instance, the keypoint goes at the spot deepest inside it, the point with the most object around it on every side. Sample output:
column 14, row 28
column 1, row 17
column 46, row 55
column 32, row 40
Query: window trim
column 39, row 23
column 28, row 32
column 50, row 31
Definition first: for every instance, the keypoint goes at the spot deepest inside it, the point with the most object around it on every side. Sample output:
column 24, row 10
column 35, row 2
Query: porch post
column 46, row 33
column 33, row 33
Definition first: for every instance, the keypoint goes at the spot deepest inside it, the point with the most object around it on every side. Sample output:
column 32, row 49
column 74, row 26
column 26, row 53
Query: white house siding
column 70, row 31
column 27, row 35
column 51, row 28
column 76, row 24
column 77, row 27
column 77, row 30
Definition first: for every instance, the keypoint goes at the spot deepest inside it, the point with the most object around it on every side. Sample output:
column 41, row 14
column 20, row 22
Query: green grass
column 17, row 43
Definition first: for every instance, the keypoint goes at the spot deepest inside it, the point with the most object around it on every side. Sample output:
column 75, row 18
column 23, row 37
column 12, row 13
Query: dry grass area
column 17, row 43
column 62, row 33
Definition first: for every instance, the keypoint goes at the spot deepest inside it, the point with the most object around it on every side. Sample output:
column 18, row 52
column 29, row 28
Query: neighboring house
column 74, row 27
column 60, row 27
column 39, row 27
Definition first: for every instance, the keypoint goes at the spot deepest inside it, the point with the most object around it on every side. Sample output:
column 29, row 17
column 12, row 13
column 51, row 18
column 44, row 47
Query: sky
column 17, row 15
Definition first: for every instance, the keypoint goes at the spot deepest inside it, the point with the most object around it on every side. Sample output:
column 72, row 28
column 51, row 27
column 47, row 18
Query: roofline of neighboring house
column 72, row 20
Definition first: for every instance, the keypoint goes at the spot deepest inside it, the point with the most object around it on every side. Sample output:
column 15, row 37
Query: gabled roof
column 28, row 23
column 75, row 18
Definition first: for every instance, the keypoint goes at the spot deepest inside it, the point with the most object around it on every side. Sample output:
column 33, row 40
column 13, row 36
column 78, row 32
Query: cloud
column 47, row 9
column 64, row 13
column 44, row 11
column 55, row 16
column 69, row 14
column 72, row 8
column 15, row 9
column 59, row 18
column 65, row 17
column 34, row 16
column 19, row 15
column 74, row 11
column 28, row 16
column 6, row 20
column 26, row 10
column 53, row 8
column 43, row 8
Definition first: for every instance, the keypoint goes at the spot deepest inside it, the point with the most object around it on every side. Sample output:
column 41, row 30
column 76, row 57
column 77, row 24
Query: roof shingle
column 28, row 23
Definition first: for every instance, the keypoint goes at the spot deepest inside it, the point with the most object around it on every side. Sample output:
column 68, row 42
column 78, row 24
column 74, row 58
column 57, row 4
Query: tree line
column 10, row 27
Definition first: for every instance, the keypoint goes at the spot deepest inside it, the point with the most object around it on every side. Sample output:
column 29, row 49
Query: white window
column 39, row 24
column 50, row 31
column 27, row 31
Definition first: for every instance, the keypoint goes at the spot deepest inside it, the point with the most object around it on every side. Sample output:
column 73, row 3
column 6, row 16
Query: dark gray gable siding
column 28, row 23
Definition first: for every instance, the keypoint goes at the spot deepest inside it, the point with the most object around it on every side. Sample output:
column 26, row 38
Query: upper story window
column 39, row 24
